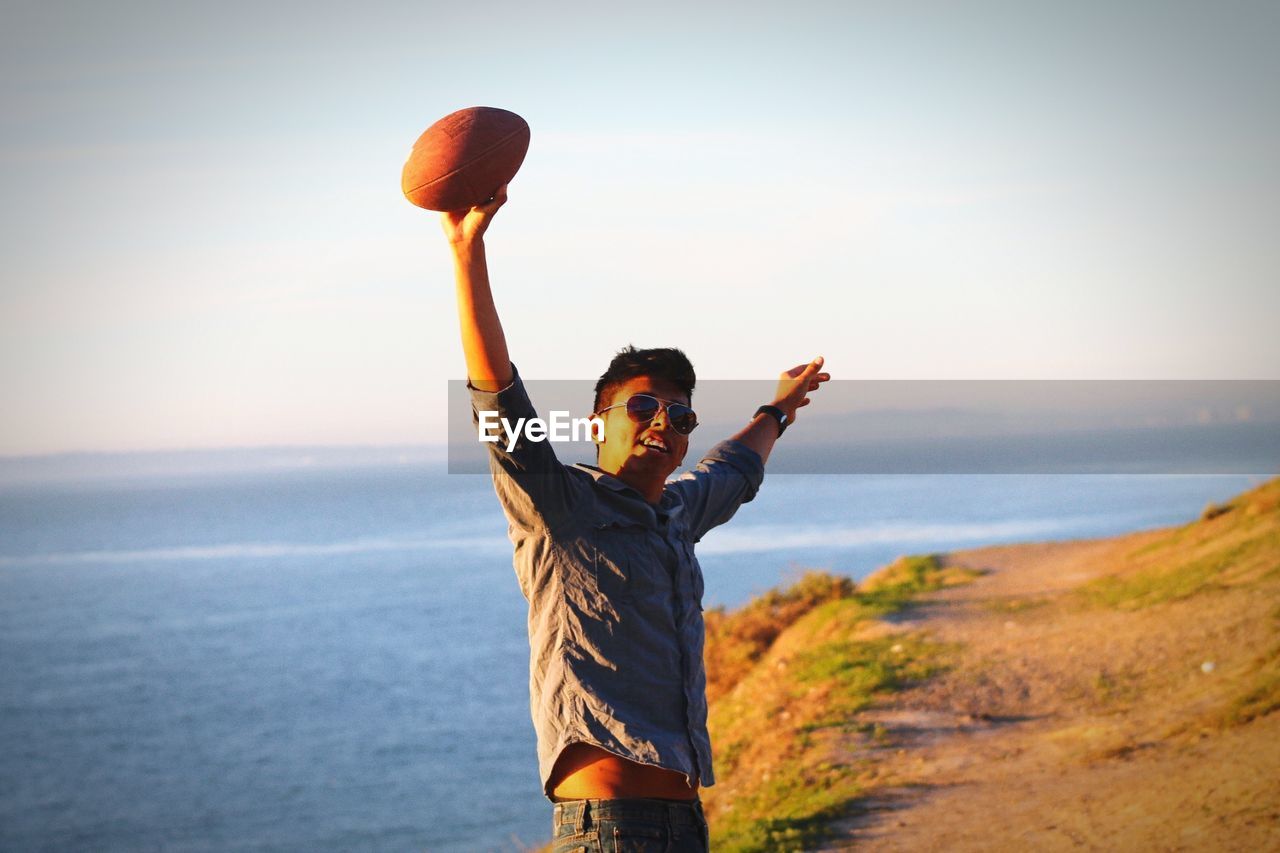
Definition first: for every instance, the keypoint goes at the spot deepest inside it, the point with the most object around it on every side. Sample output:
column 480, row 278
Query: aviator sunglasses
column 642, row 408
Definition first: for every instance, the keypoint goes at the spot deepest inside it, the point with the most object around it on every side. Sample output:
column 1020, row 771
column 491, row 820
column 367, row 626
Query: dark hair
column 665, row 363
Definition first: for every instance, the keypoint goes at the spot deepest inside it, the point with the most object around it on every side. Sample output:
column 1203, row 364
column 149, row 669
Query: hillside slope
column 1111, row 694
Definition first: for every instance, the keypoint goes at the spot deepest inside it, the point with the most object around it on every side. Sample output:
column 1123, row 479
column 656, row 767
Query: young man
column 604, row 555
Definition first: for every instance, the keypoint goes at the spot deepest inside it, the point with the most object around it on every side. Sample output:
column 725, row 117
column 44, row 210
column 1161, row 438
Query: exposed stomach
column 583, row 771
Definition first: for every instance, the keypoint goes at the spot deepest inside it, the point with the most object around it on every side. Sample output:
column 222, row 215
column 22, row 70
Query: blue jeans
column 613, row 826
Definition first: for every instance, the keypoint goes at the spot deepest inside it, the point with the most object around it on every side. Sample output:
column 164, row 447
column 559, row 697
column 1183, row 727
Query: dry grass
column 801, row 664
column 1234, row 544
column 818, row 708
column 736, row 641
column 1111, row 694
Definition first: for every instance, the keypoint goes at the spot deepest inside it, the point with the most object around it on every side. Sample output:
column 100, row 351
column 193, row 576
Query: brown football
column 463, row 158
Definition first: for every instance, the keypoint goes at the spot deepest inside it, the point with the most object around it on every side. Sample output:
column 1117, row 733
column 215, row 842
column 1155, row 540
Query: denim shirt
column 615, row 595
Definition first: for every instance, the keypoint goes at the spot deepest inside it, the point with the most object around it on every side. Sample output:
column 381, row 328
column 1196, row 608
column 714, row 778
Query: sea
column 335, row 658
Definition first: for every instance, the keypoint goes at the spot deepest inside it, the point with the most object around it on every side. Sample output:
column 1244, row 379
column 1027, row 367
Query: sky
column 203, row 242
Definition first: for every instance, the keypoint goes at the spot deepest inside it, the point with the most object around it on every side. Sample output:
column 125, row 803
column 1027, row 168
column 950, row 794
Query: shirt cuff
column 511, row 402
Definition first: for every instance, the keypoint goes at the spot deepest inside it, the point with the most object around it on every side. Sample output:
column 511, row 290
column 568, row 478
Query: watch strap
column 777, row 414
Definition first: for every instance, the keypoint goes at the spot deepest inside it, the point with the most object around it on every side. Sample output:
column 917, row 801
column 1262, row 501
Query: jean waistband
column 584, row 813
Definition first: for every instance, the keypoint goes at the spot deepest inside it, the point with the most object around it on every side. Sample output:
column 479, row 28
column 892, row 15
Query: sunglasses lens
column 683, row 420
column 642, row 408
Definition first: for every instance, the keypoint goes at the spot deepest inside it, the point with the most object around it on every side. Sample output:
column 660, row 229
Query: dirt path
column 1065, row 726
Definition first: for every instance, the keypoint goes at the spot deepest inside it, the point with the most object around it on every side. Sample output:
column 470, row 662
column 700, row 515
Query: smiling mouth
column 654, row 443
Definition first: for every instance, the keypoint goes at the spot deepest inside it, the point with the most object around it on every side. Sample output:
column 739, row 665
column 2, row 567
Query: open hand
column 795, row 385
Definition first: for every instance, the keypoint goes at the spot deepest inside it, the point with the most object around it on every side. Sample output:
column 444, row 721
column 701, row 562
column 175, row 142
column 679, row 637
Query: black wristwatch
column 777, row 414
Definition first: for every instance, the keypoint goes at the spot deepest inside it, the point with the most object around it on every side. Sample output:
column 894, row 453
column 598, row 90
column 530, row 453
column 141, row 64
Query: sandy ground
column 1067, row 726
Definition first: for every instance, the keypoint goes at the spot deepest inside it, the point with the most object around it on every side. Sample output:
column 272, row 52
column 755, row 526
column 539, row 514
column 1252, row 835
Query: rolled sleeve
column 727, row 477
column 534, row 488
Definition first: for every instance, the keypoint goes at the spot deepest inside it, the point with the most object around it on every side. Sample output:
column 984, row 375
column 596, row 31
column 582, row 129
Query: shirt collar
column 670, row 505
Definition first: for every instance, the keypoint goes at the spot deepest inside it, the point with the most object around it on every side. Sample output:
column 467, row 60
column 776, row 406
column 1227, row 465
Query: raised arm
column 533, row 487
column 483, row 343
column 793, row 389
column 729, row 476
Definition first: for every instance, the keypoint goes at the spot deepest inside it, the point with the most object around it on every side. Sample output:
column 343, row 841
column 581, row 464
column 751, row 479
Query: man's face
column 648, row 451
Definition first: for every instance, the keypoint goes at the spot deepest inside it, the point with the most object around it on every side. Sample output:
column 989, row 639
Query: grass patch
column 1261, row 693
column 784, row 774
column 790, row 809
column 1181, row 577
column 1257, row 695
column 736, row 641
column 1233, row 542
column 907, row 577
column 851, row 673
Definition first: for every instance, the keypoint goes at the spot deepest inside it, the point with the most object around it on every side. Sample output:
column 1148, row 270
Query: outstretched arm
column 483, row 343
column 728, row 476
column 793, row 388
